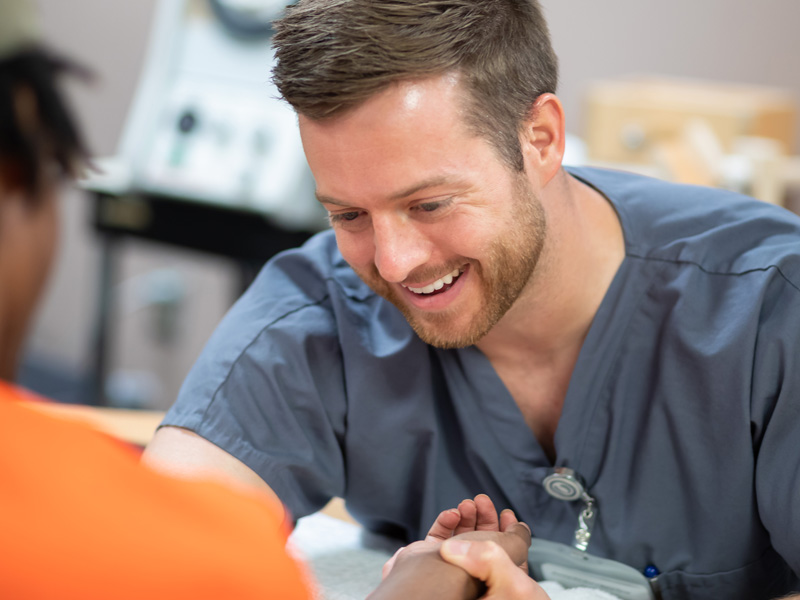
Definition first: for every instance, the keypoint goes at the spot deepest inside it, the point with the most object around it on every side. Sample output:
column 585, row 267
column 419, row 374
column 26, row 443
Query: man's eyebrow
column 328, row 200
column 424, row 184
column 405, row 193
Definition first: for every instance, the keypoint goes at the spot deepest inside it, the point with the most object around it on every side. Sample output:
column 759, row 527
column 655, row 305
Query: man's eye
column 429, row 207
column 347, row 217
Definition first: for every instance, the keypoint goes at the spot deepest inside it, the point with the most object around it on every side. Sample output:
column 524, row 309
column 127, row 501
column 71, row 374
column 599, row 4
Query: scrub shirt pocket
column 770, row 575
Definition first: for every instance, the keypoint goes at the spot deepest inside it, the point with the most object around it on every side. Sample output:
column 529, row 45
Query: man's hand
column 476, row 564
column 489, row 562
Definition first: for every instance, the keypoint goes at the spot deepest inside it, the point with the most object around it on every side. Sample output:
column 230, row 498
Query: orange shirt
column 81, row 518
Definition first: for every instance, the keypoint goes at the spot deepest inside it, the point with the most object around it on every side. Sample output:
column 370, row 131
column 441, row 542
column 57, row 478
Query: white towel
column 557, row 592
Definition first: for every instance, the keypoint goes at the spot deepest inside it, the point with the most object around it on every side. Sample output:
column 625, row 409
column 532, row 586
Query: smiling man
column 480, row 316
column 424, row 211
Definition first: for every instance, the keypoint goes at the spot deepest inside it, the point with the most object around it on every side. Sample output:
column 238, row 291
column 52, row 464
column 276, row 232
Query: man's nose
column 400, row 247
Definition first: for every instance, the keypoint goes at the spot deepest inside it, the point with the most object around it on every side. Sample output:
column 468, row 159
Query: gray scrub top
column 682, row 414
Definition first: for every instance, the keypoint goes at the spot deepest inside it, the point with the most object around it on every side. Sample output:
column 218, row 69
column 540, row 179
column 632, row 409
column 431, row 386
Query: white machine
column 206, row 124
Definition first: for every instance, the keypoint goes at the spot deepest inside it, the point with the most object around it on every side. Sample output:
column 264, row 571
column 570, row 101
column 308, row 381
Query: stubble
column 502, row 277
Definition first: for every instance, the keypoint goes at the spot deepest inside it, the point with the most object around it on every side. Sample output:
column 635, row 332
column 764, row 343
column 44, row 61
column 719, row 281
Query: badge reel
column 572, row 566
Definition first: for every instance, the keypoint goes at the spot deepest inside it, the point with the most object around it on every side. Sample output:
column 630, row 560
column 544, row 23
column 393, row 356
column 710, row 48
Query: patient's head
column 39, row 147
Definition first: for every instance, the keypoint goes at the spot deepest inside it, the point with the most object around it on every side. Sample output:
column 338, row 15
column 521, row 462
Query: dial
column 248, row 18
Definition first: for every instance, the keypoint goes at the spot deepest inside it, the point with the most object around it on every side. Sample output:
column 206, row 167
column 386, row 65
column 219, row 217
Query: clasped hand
column 490, row 551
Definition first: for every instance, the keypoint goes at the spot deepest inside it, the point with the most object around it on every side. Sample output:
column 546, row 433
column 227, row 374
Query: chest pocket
column 767, row 578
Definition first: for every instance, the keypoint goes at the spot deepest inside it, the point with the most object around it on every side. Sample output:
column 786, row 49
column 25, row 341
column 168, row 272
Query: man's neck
column 582, row 252
column 535, row 346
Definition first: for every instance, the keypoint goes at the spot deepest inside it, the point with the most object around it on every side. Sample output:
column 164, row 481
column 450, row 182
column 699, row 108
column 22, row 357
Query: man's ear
column 542, row 137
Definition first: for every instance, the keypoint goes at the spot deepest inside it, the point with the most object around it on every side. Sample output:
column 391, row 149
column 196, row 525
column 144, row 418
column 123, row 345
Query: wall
column 724, row 40
column 727, row 40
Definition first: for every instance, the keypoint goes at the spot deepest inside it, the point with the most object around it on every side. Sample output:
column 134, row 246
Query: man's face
column 424, row 211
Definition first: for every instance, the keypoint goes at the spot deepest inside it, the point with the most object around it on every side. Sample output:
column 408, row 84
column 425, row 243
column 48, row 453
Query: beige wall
column 730, row 40
column 725, row 40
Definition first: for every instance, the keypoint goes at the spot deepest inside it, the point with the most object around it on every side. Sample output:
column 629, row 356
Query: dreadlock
column 36, row 127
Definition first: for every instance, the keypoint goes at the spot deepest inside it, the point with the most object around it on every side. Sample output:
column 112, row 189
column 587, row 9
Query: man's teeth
column 436, row 285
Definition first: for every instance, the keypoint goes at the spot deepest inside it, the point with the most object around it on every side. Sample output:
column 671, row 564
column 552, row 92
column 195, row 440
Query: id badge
column 573, row 568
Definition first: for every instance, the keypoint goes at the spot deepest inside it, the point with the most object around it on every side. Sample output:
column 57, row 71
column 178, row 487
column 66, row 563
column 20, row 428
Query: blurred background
column 135, row 295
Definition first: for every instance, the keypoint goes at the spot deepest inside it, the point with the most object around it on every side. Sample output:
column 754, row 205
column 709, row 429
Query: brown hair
column 332, row 55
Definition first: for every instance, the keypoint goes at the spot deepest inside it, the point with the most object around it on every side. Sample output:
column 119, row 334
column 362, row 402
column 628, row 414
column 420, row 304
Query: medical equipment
column 551, row 561
column 207, row 125
column 210, row 158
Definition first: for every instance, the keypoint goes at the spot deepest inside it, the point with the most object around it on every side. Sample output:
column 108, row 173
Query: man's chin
column 445, row 331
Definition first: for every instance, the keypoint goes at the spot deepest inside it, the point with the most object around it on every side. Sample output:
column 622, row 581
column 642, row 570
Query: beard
column 502, row 276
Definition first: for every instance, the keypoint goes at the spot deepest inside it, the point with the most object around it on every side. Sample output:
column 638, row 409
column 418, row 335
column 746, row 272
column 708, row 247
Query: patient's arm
column 182, row 453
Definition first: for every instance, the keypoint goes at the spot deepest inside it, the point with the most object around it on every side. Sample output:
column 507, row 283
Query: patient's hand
column 471, row 515
column 478, row 515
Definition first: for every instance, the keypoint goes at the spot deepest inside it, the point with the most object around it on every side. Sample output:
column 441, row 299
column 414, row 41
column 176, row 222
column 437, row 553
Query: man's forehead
column 398, row 144
column 401, row 98
column 413, row 91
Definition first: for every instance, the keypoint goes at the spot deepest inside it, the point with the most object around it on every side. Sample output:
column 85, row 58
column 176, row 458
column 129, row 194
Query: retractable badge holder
column 573, row 566
column 566, row 484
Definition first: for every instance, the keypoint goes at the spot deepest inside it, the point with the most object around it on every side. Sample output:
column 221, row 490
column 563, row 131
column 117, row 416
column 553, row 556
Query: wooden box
column 626, row 118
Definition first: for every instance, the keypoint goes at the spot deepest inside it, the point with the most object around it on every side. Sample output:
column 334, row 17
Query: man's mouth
column 438, row 286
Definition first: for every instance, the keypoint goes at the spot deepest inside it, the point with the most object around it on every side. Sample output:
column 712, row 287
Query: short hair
column 28, row 149
column 332, row 55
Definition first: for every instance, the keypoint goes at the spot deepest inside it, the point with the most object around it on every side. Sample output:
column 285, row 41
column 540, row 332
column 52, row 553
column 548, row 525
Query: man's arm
column 182, row 453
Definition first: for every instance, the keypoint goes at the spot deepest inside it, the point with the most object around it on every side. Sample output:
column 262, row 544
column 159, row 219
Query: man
column 480, row 315
column 80, row 517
